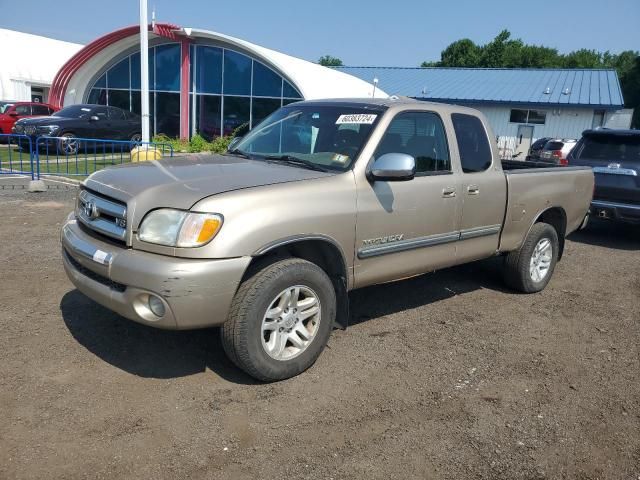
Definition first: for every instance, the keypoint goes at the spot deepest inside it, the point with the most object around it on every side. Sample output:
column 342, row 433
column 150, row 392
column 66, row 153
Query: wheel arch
column 557, row 218
column 321, row 250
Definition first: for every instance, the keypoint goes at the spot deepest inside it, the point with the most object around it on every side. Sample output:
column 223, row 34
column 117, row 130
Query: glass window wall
column 228, row 89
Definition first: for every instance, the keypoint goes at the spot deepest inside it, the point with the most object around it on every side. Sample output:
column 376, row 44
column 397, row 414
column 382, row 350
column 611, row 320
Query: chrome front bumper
column 195, row 293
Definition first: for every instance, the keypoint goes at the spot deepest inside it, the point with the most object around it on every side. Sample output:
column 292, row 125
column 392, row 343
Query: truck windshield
column 328, row 136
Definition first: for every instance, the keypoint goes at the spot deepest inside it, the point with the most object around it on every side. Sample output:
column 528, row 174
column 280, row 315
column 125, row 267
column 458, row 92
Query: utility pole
column 144, row 70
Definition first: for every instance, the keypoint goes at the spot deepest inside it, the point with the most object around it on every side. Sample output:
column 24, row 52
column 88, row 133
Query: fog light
column 156, row 306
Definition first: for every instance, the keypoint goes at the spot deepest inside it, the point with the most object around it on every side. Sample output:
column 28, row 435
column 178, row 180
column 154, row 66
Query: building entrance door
column 523, row 142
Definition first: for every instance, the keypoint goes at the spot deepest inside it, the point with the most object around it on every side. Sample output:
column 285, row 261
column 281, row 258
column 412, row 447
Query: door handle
column 448, row 192
column 473, row 189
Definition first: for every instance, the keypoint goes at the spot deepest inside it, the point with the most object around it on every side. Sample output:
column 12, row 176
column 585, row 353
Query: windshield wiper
column 239, row 153
column 297, row 162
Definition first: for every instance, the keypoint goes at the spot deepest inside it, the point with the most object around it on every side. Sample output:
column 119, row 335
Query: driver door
column 410, row 227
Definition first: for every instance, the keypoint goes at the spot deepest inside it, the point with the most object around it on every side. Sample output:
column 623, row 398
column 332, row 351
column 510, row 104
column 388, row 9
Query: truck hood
column 180, row 182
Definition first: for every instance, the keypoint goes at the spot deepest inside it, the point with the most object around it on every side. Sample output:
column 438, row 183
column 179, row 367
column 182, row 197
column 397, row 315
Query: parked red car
column 12, row 111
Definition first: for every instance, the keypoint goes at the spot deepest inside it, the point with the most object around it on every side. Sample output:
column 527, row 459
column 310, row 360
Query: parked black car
column 82, row 121
column 536, row 149
column 614, row 156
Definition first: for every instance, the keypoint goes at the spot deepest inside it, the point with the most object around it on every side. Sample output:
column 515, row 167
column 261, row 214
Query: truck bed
column 509, row 165
column 532, row 189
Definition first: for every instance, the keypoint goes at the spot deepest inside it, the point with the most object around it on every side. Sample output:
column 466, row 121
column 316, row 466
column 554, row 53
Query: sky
column 361, row 33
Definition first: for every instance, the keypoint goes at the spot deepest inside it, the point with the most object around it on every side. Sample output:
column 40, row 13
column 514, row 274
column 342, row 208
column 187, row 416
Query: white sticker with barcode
column 100, row 257
column 356, row 119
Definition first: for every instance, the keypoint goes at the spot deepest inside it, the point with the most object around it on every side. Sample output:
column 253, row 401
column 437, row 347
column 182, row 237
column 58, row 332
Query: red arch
column 69, row 69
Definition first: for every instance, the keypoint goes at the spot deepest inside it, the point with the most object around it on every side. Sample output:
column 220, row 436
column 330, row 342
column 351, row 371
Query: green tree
column 493, row 53
column 329, row 61
column 582, row 58
column 463, row 53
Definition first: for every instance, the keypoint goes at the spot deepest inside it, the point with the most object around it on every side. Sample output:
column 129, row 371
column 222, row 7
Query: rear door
column 615, row 159
column 484, row 190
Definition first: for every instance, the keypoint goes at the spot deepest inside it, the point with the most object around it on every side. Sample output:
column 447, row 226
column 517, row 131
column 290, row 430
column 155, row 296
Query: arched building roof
column 312, row 80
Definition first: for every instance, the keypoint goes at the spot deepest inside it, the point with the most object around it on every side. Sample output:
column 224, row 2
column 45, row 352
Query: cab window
column 421, row 135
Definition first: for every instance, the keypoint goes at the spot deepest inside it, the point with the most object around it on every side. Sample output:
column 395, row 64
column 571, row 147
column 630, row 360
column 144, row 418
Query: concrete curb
column 61, row 179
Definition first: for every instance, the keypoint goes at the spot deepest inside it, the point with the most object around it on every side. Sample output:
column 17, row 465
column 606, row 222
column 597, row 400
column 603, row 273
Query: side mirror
column 393, row 167
column 13, row 114
column 94, row 118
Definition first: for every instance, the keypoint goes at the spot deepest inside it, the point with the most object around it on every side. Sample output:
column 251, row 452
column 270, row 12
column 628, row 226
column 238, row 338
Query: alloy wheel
column 291, row 322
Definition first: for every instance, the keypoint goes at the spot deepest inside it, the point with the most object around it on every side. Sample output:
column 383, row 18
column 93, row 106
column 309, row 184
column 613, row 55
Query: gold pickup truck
column 320, row 198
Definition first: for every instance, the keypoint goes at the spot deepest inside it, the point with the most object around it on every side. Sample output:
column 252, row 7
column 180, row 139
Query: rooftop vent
column 566, row 91
column 547, row 91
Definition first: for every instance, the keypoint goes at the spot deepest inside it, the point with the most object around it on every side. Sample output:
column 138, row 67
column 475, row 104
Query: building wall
column 28, row 61
column 559, row 123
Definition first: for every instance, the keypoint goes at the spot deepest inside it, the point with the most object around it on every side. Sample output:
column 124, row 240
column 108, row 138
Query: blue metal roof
column 564, row 87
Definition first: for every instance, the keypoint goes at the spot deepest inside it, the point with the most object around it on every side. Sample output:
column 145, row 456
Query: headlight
column 176, row 228
column 48, row 128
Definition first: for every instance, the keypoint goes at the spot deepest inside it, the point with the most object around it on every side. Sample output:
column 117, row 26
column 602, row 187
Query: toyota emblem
column 90, row 210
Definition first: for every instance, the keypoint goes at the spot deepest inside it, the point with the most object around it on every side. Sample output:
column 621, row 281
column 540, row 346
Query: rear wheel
column 136, row 137
column 529, row 269
column 68, row 144
column 280, row 320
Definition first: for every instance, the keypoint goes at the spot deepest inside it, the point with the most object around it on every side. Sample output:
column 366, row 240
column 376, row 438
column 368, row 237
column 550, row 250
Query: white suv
column 557, row 150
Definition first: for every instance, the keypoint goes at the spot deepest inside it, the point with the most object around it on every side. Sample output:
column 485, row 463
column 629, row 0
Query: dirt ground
column 445, row 376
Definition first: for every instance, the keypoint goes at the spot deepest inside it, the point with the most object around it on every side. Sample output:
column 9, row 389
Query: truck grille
column 103, row 216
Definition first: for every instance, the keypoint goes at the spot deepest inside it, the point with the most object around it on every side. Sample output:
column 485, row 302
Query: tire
column 245, row 336
column 136, row 137
column 522, row 273
column 66, row 145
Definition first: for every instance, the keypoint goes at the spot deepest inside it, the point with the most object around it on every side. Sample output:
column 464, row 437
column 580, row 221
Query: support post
column 144, row 70
column 184, row 88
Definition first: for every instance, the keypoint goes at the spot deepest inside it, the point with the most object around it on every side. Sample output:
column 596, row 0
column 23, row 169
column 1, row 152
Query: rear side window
column 611, row 147
column 40, row 109
column 473, row 144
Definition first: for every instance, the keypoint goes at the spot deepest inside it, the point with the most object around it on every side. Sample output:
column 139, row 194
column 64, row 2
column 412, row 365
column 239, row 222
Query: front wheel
column 529, row 268
column 68, row 144
column 280, row 320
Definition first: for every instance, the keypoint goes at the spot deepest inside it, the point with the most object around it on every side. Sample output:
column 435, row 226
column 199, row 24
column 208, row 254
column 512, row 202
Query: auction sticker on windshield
column 356, row 118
